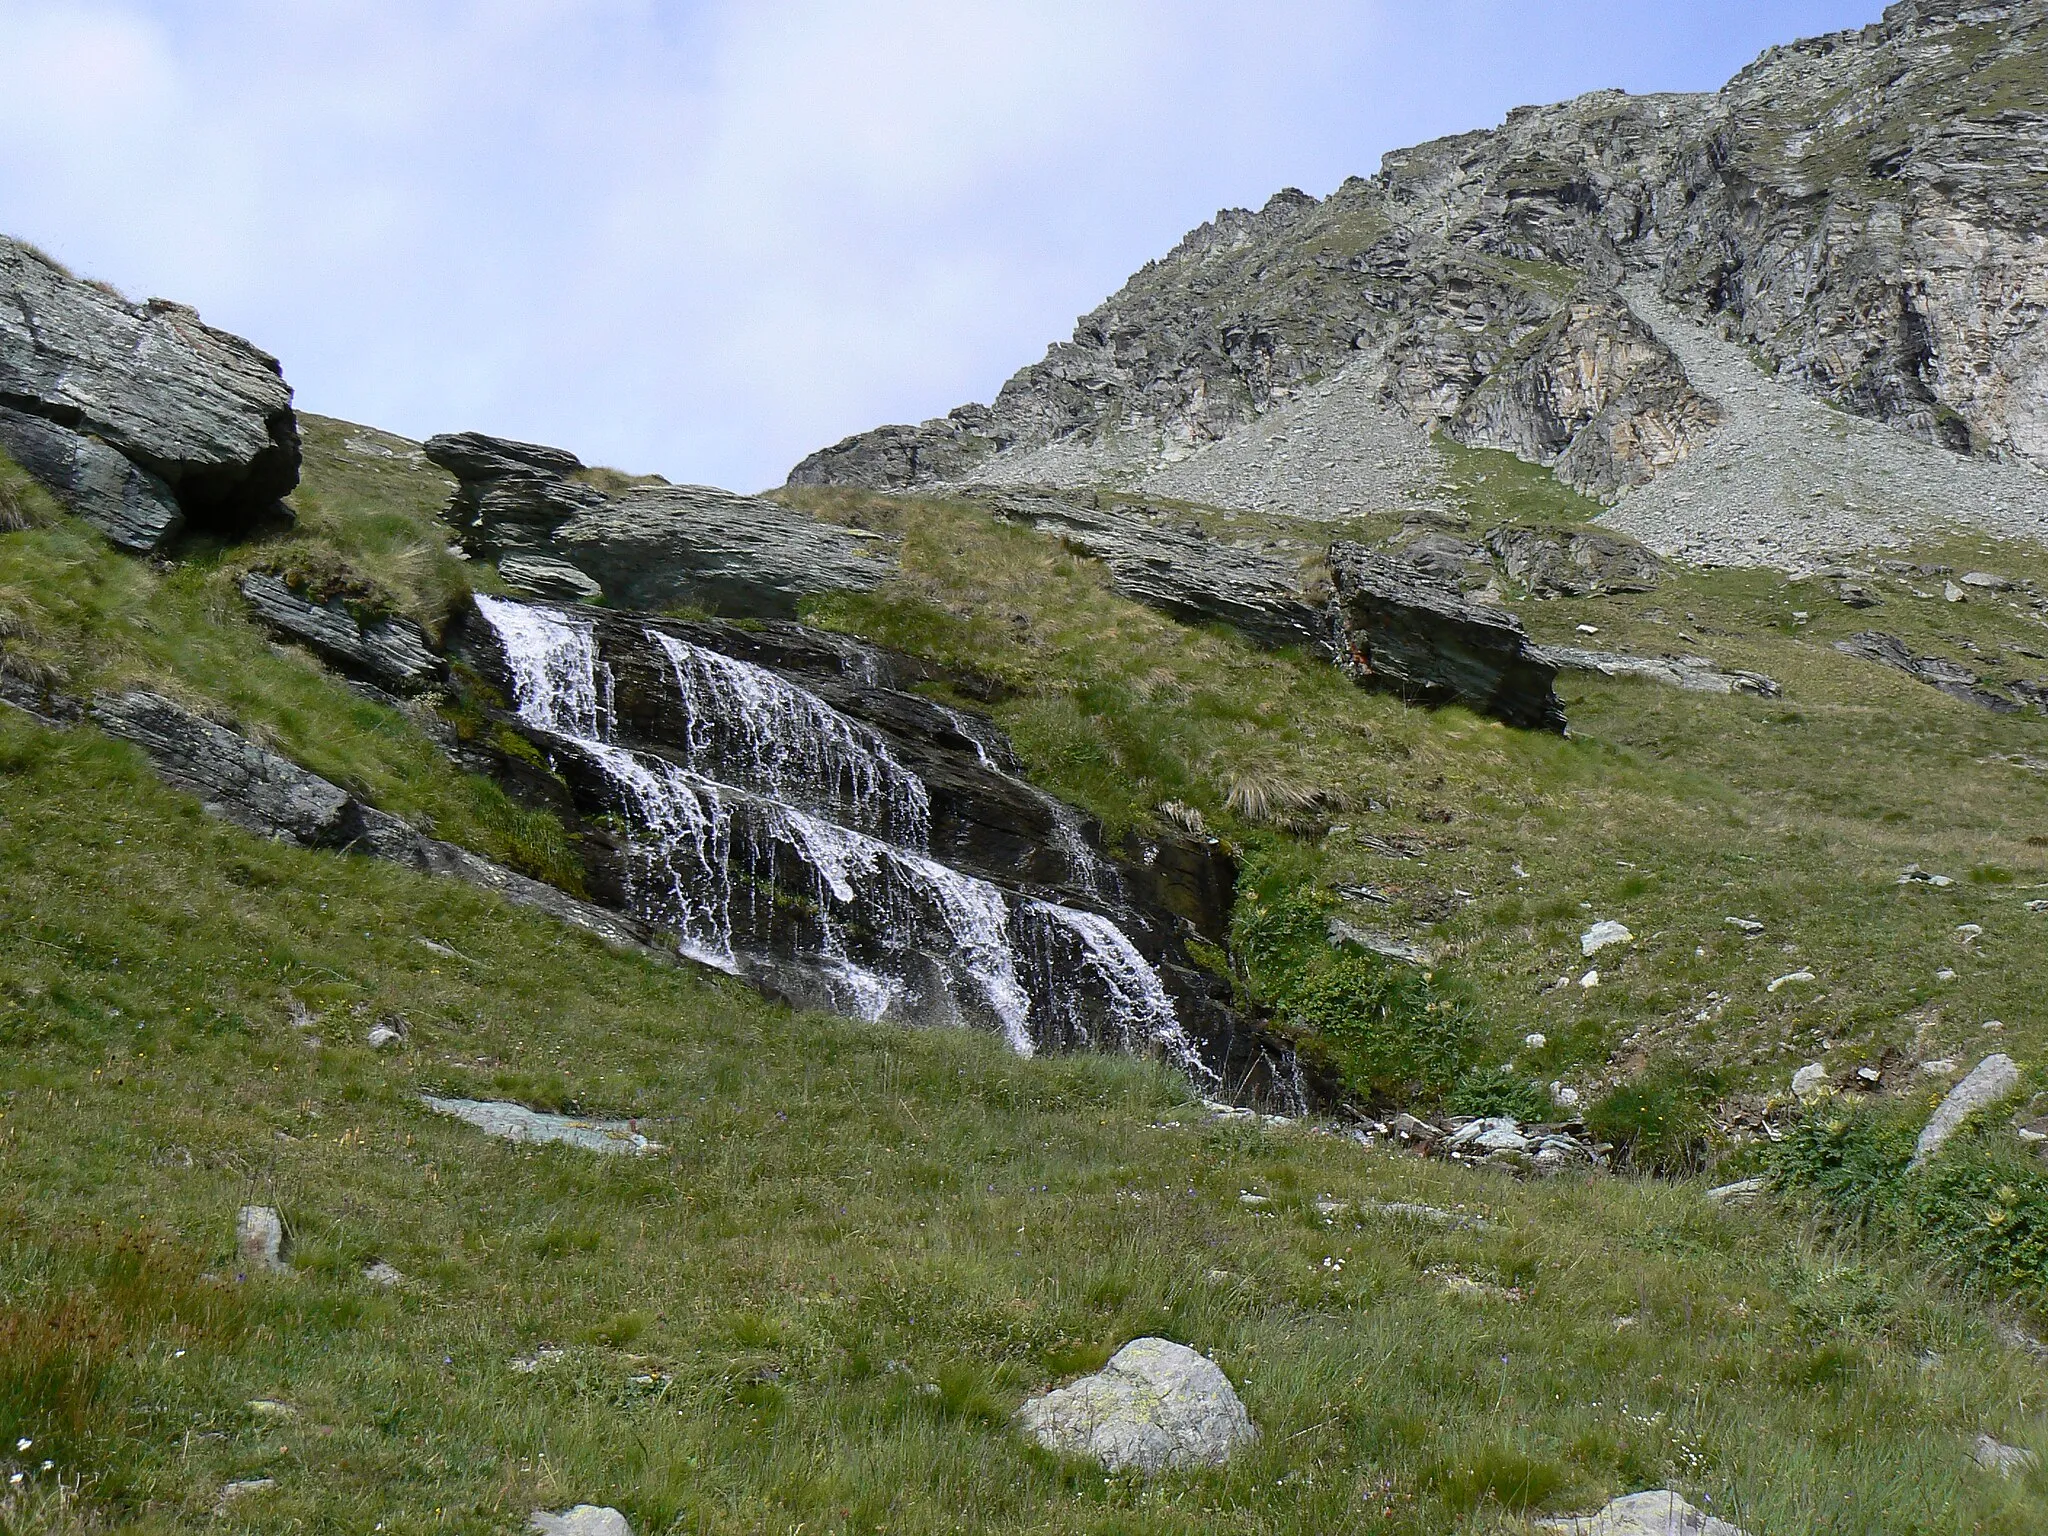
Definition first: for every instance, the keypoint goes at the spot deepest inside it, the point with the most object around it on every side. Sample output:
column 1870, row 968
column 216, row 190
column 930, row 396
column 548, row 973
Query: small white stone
column 383, row 1273
column 1603, row 933
column 2005, row 1460
column 1810, row 1081
column 1564, row 1097
column 1536, row 1040
column 1788, row 978
column 1944, row 974
column 1657, row 1513
column 259, row 1238
column 1590, row 980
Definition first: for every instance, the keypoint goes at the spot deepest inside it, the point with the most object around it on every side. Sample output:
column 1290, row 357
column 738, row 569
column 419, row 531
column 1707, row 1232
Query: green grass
column 865, row 1246
column 1670, row 811
column 79, row 618
column 862, row 1250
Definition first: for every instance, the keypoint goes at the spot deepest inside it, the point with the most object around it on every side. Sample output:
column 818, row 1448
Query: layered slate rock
column 140, row 416
column 270, row 795
column 1168, row 562
column 133, row 508
column 384, row 649
column 1695, row 674
column 1397, row 630
column 1156, row 1407
column 554, row 533
column 1950, row 677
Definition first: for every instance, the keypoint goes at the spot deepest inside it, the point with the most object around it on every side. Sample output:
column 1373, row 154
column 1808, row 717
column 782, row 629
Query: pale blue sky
column 705, row 238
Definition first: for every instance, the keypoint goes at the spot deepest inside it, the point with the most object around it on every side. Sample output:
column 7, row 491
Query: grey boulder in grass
column 1659, row 1512
column 583, row 1520
column 141, row 417
column 1156, row 1407
column 1992, row 1079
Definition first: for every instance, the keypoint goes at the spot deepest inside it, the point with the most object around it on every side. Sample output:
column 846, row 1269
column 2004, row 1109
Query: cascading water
column 718, row 852
column 747, row 726
column 1079, row 953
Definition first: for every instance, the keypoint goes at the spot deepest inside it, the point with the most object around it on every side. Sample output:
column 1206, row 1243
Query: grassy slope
column 1669, row 811
column 865, row 1246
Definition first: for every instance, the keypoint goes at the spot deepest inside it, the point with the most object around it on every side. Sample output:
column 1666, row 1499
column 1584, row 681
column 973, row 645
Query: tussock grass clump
column 1659, row 1121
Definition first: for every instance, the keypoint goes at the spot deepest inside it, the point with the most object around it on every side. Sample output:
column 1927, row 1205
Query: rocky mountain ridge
column 1862, row 213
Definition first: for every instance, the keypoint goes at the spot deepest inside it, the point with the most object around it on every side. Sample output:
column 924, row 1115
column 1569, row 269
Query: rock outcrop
column 1863, row 212
column 139, row 416
column 384, row 649
column 1695, row 674
column 555, row 533
column 1593, row 394
column 1950, row 677
column 1569, row 562
column 1156, row 1407
column 1168, row 562
column 1397, row 630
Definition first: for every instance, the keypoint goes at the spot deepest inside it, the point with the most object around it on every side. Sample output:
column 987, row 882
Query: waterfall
column 554, row 666
column 743, row 847
column 1084, row 866
column 747, row 726
column 1100, row 958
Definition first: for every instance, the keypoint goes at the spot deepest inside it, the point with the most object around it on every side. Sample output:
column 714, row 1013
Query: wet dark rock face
column 1398, row 630
column 555, row 533
column 140, row 417
column 780, row 798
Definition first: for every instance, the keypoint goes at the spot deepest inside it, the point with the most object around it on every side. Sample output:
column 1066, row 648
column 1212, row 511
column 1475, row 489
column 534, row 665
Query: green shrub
column 1852, row 1160
column 1494, row 1091
column 1387, row 1029
column 1985, row 1213
column 1980, row 1208
column 1659, row 1122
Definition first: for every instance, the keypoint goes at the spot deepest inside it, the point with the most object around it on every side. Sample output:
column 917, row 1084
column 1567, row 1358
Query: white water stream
column 718, row 836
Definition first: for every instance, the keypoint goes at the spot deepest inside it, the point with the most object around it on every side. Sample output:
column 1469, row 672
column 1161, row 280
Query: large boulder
column 556, row 532
column 1396, row 629
column 140, row 416
column 1156, row 1407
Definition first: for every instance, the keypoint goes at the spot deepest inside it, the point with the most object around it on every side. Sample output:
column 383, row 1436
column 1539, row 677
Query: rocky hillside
column 1860, row 214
